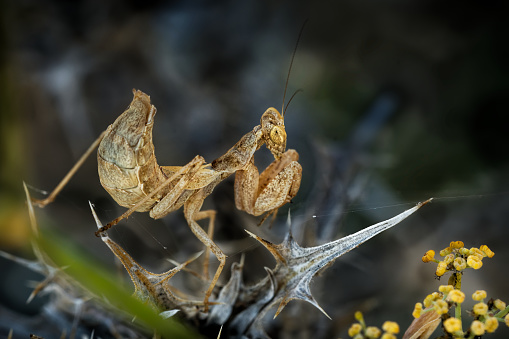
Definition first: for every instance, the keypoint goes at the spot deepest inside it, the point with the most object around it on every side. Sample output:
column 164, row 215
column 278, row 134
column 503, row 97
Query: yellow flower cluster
column 440, row 301
column 487, row 314
column 458, row 258
column 361, row 331
column 479, row 328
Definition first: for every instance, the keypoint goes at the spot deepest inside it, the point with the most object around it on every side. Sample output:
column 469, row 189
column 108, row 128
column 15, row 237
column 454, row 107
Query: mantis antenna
column 283, row 108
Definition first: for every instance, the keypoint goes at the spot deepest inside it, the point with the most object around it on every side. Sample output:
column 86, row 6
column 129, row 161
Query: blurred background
column 401, row 101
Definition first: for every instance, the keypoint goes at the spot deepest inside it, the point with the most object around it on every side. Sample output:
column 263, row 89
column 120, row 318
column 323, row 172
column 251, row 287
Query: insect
column 129, row 172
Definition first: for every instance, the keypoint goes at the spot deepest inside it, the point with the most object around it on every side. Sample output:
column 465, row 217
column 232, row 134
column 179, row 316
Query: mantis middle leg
column 192, row 214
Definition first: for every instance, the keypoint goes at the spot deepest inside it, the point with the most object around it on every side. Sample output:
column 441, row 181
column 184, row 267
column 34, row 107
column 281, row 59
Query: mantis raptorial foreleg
column 259, row 193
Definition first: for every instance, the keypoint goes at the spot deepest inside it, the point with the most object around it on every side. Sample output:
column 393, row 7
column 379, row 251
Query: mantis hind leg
column 49, row 199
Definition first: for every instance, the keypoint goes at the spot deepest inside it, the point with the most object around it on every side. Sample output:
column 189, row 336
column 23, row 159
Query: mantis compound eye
column 278, row 135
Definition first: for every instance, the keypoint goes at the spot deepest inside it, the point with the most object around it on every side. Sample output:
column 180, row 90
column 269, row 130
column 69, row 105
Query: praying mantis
column 129, row 172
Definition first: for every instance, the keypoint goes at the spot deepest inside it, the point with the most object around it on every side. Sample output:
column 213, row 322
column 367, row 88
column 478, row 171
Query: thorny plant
column 239, row 308
column 487, row 314
column 129, row 172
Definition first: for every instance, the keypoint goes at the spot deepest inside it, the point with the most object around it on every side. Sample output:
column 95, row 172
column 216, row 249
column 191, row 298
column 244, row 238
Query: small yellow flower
column 489, row 253
column 429, row 256
column 441, row 269
column 459, row 264
column 464, row 251
column 417, row 311
column 477, row 252
column 456, row 296
column 474, row 261
column 452, row 325
column 477, row 327
column 391, row 327
column 479, row 295
column 358, row 316
column 491, row 324
column 430, row 298
column 445, row 251
column 449, row 258
column 445, row 288
column 499, row 304
column 354, row 329
column 441, row 307
column 506, row 320
column 373, row 332
column 480, row 308
column 388, row 336
column 456, row 244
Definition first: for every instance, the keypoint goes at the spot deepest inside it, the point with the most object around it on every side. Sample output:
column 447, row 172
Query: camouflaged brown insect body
column 127, row 165
column 129, row 172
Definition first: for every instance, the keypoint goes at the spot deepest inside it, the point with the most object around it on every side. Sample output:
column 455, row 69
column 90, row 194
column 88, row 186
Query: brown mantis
column 129, row 172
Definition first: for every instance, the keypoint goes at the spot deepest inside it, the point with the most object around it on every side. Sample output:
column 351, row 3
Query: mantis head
column 274, row 135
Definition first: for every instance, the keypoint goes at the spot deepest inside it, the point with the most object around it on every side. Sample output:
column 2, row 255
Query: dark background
column 401, row 101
